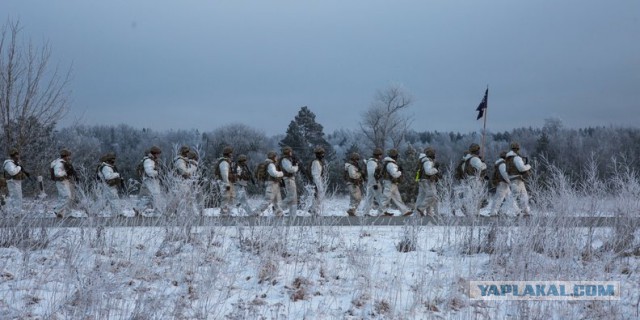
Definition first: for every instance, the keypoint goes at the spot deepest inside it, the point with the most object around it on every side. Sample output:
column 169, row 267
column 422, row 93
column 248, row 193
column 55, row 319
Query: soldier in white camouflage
column 289, row 167
column 226, row 178
column 373, row 192
column 518, row 170
column 243, row 178
column 14, row 173
column 271, row 177
column 354, row 177
column 391, row 175
column 428, row 177
column 110, row 181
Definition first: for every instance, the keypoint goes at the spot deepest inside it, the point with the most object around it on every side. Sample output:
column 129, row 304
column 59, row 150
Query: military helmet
column 515, row 146
column 155, row 150
column 474, row 147
column 13, row 152
column 392, row 153
column 287, row 150
column 184, row 150
column 503, row 154
column 377, row 152
column 430, row 152
column 242, row 158
column 318, row 149
column 107, row 157
column 65, row 153
column 192, row 155
column 355, row 156
column 227, row 151
column 272, row 155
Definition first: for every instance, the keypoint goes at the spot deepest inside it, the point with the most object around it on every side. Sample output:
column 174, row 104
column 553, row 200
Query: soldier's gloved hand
column 227, row 187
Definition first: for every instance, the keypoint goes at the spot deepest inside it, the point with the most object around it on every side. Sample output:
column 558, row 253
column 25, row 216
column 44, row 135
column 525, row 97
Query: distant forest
column 571, row 150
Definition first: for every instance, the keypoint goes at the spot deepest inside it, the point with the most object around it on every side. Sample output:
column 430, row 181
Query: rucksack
column 98, row 169
column 261, row 171
column 460, row 169
column 377, row 173
column 140, row 168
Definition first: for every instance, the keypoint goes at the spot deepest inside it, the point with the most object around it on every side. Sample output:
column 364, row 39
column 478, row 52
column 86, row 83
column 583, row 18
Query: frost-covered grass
column 328, row 272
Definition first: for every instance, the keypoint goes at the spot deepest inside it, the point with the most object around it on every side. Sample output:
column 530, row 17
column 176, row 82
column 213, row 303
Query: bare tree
column 383, row 123
column 31, row 93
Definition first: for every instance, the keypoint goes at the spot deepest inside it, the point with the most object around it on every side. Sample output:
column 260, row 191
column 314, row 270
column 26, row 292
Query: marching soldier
column 150, row 193
column 428, row 176
column 110, row 179
column 501, row 181
column 181, row 163
column 243, row 177
column 374, row 189
column 63, row 173
column 317, row 175
column 14, row 173
column 392, row 174
column 353, row 176
column 518, row 170
column 289, row 167
column 271, row 177
column 472, row 171
column 226, row 178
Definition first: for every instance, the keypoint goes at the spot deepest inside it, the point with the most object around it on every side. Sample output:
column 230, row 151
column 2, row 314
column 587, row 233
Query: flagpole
column 484, row 127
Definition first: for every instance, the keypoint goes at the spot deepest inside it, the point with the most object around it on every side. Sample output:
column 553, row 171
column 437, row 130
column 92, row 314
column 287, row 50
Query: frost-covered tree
column 383, row 123
column 33, row 95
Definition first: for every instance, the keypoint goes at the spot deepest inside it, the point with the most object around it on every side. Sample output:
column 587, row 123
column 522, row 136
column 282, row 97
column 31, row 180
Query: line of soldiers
column 380, row 177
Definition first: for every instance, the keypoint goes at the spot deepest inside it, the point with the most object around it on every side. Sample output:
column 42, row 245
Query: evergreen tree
column 304, row 134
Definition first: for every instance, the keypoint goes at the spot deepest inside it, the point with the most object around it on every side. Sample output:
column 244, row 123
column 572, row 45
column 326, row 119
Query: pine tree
column 304, row 134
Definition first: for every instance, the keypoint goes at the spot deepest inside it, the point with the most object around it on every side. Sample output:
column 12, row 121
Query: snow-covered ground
column 313, row 272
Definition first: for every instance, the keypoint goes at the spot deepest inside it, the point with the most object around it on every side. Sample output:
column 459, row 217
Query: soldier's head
column 377, row 153
column 287, row 151
column 109, row 158
column 393, row 154
column 430, row 152
column 319, row 151
column 474, row 148
column 242, row 159
column 184, row 151
column 272, row 155
column 227, row 151
column 192, row 155
column 503, row 155
column 155, row 151
column 65, row 154
column 515, row 146
column 14, row 153
column 355, row 157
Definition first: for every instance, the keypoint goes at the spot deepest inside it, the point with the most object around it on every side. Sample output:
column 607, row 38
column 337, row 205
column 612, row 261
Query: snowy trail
column 340, row 221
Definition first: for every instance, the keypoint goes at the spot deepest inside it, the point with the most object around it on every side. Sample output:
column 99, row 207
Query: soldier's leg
column 421, row 205
column 386, row 197
column 291, row 200
column 502, row 191
column 396, row 198
column 431, row 198
column 520, row 192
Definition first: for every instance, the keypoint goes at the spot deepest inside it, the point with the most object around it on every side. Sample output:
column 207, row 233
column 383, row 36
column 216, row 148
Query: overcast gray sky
column 203, row 64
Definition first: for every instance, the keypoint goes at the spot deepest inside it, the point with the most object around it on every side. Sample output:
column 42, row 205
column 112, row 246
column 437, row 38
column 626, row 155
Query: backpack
column 140, row 168
column 460, row 169
column 98, row 169
column 377, row 173
column 261, row 171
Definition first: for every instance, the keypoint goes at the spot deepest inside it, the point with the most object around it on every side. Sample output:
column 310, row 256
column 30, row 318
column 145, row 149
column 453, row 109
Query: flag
column 483, row 105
